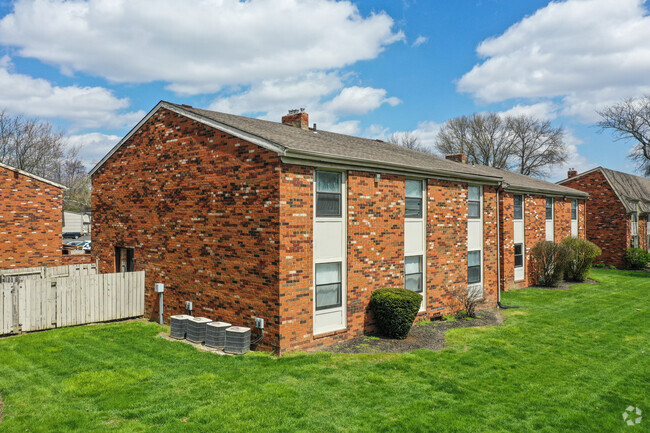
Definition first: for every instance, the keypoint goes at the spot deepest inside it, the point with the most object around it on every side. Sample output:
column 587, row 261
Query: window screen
column 473, row 267
column 474, row 202
column 519, row 206
column 549, row 208
column 328, row 285
column 413, row 268
column 413, row 198
column 519, row 255
column 574, row 209
column 328, row 194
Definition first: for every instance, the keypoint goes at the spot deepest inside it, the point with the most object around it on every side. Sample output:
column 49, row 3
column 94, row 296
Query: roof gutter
column 325, row 160
column 524, row 190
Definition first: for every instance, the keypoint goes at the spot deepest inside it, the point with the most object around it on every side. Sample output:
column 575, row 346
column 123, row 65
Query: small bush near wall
column 394, row 311
column 636, row 258
column 550, row 262
column 582, row 256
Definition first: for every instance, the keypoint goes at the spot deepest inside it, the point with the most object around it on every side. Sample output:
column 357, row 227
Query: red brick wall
column 201, row 210
column 607, row 222
column 534, row 232
column 375, row 249
column 30, row 221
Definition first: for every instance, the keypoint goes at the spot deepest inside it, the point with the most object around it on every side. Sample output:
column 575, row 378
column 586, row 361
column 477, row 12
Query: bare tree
column 483, row 138
column 36, row 147
column 629, row 120
column 537, row 145
column 408, row 140
column 520, row 143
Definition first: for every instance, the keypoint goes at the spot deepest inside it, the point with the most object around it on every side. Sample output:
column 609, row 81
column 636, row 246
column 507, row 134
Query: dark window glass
column 328, row 285
column 574, row 209
column 519, row 255
column 549, row 208
column 473, row 267
column 328, row 194
column 413, row 268
column 474, row 201
column 519, row 207
column 413, row 198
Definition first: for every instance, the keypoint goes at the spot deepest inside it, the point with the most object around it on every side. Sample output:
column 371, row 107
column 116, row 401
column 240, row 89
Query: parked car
column 71, row 235
column 73, row 243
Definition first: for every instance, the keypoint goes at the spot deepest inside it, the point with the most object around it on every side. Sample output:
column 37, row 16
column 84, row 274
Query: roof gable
column 33, row 176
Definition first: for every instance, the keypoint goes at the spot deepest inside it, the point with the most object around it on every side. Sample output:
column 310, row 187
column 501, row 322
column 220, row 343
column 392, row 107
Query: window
column 574, row 210
column 124, row 259
column 474, row 202
column 413, row 267
column 549, row 208
column 519, row 255
column 473, row 267
column 634, row 223
column 328, row 194
column 413, row 198
column 519, row 207
column 635, row 242
column 328, row 285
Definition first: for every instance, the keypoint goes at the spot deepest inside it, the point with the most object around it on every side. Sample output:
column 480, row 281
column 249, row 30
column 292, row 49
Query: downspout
column 499, row 304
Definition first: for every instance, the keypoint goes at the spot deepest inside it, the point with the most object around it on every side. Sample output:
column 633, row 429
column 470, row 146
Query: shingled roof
column 297, row 144
column 630, row 189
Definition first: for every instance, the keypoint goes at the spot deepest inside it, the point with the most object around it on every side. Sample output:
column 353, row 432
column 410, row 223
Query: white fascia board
column 33, row 176
column 201, row 119
column 520, row 190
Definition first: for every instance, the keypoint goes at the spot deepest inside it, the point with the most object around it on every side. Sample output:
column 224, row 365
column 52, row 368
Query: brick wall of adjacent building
column 606, row 217
column 201, row 210
column 534, row 232
column 30, row 221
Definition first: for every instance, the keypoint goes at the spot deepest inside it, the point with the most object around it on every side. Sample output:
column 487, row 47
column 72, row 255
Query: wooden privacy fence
column 10, row 275
column 33, row 303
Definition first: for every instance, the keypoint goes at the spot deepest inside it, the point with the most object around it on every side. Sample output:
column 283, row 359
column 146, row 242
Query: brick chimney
column 297, row 118
column 458, row 157
column 572, row 173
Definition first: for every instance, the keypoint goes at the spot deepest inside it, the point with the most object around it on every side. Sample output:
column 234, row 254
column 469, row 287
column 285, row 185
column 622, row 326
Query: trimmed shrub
column 583, row 254
column 636, row 258
column 394, row 311
column 550, row 262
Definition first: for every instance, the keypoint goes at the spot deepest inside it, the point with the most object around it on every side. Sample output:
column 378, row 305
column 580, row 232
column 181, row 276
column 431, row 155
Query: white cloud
column 426, row 131
column 541, row 110
column 575, row 160
column 323, row 95
column 85, row 107
column 93, row 146
column 420, row 40
column 582, row 54
column 196, row 47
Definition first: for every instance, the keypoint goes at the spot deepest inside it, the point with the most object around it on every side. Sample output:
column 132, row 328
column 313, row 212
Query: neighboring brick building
column 30, row 220
column 617, row 211
column 249, row 218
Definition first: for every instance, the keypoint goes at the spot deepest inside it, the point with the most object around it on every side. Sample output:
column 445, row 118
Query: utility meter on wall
column 159, row 287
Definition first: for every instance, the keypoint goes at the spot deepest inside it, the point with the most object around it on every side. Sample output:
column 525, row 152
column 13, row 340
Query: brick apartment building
column 249, row 218
column 617, row 211
column 30, row 220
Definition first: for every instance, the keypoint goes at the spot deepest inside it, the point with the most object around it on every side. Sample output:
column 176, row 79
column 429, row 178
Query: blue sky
column 365, row 68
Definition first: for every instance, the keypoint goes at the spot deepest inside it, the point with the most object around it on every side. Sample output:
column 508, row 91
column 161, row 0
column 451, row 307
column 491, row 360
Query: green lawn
column 570, row 361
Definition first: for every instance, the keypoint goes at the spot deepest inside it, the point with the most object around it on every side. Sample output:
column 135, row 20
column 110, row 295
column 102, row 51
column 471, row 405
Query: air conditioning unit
column 196, row 329
column 215, row 334
column 238, row 340
column 179, row 326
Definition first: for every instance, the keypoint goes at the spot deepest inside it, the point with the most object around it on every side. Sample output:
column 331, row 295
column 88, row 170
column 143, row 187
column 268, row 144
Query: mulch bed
column 565, row 285
column 429, row 335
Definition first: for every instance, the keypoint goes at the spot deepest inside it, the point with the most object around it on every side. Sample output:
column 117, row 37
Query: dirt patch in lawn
column 424, row 335
column 566, row 285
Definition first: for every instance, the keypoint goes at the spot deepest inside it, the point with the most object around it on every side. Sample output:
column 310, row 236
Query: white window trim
column 343, row 259
column 423, row 219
